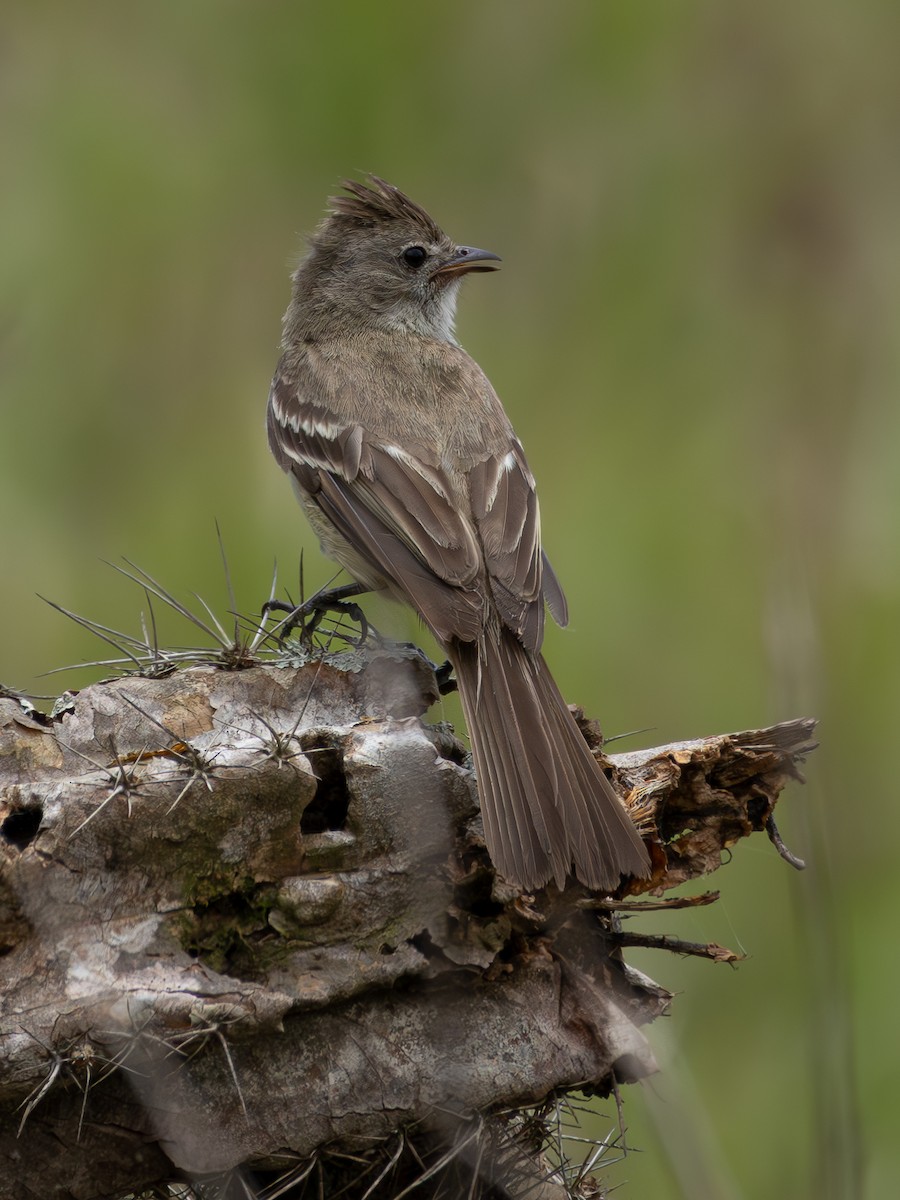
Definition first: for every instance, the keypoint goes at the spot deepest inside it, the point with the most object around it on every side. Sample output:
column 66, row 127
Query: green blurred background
column 695, row 332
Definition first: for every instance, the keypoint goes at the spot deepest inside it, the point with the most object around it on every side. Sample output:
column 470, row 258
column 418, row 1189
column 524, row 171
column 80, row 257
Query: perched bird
column 409, row 472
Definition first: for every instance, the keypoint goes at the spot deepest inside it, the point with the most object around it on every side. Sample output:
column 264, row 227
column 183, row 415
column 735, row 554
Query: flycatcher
column 410, row 474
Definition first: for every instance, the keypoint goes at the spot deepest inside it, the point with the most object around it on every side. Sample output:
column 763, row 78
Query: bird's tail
column 544, row 800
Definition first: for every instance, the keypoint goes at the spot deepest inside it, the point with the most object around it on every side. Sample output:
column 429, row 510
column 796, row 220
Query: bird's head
column 378, row 259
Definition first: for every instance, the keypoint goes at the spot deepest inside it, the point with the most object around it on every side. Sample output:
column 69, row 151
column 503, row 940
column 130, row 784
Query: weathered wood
column 247, row 917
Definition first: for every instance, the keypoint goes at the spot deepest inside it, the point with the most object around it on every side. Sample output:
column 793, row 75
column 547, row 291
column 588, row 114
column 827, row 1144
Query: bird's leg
column 315, row 608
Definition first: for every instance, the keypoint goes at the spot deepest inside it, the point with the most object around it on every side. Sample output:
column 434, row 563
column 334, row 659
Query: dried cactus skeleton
column 250, row 933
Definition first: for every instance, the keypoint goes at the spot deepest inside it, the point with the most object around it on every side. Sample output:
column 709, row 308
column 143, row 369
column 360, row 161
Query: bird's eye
column 414, row 256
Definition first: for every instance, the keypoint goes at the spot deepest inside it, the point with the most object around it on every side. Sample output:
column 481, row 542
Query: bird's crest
column 377, row 202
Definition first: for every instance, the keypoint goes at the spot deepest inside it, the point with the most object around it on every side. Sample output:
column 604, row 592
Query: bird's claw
column 308, row 616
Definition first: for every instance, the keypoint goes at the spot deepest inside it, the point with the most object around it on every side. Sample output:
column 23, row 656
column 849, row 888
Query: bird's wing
column 394, row 510
column 507, row 516
column 399, row 511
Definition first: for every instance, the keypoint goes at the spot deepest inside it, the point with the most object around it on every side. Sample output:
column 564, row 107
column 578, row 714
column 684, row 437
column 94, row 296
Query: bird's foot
column 308, row 616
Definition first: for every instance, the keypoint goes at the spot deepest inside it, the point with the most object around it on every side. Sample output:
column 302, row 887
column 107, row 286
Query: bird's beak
column 468, row 259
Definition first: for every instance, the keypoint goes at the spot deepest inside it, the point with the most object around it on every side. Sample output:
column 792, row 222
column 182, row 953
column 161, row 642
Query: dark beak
column 468, row 259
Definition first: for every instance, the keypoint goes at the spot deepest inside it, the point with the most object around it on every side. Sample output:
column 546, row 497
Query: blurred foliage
column 695, row 331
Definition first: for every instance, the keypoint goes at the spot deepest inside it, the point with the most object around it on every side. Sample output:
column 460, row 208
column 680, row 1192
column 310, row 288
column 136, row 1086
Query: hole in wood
column 328, row 808
column 21, row 826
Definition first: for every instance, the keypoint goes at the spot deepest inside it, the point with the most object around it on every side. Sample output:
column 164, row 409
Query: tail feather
column 545, row 803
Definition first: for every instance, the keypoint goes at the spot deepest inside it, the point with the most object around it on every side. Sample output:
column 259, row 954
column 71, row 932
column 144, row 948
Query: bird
column 412, row 477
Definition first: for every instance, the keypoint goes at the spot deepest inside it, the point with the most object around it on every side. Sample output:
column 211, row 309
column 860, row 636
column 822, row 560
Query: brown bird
column 413, row 479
